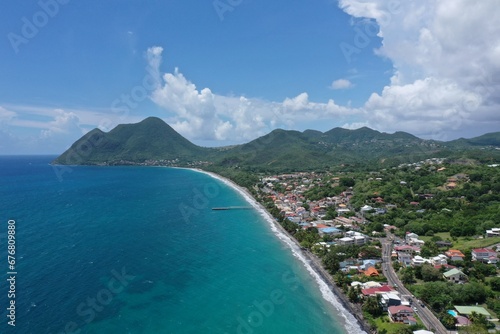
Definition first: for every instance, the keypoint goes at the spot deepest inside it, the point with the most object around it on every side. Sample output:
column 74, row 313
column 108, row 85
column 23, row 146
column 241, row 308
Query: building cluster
column 308, row 214
column 397, row 306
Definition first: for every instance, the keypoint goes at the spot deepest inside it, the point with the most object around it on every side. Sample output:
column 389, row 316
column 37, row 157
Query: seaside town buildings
column 287, row 192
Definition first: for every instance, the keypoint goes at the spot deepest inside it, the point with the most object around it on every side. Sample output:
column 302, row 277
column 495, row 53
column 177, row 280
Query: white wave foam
column 350, row 323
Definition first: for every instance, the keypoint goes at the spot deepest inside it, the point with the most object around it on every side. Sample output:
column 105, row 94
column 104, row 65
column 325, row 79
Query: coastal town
column 395, row 279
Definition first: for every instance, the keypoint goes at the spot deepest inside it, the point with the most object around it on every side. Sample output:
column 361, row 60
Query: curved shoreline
column 353, row 321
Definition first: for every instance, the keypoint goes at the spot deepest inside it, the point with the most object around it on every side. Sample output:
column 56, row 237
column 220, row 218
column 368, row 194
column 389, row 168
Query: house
column 467, row 310
column 423, row 331
column 404, row 258
column 376, row 290
column 371, row 272
column 330, row 231
column 441, row 244
column 357, row 238
column 360, row 240
column 371, row 284
column 454, row 255
column 418, row 261
column 412, row 239
column 369, row 263
column 389, row 299
column 400, row 313
column 411, row 321
column 366, row 208
column 406, row 249
column 349, row 262
column 410, row 236
column 462, row 321
column 455, row 275
column 345, row 241
column 484, row 255
column 343, row 221
column 494, row 232
column 416, row 242
column 439, row 260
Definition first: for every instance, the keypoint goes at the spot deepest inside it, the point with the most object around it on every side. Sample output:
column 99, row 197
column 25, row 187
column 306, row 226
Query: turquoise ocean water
column 139, row 250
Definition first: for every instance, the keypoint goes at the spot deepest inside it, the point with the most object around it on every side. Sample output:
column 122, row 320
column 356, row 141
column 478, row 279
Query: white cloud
column 6, row 115
column 203, row 115
column 446, row 62
column 341, row 84
column 64, row 123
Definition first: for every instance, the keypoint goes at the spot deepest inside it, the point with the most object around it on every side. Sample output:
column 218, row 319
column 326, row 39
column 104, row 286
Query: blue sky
column 227, row 71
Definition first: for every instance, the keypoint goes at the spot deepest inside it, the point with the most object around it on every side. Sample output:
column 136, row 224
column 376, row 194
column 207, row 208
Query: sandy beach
column 351, row 315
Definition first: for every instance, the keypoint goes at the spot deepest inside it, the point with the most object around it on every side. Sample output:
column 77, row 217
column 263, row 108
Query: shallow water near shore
column 139, row 250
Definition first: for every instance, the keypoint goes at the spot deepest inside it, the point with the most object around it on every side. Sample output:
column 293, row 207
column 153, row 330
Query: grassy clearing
column 383, row 322
column 463, row 243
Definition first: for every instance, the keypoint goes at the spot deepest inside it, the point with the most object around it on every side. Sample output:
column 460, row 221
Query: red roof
column 371, row 272
column 447, row 266
column 483, row 250
column 373, row 291
column 399, row 308
column 321, row 226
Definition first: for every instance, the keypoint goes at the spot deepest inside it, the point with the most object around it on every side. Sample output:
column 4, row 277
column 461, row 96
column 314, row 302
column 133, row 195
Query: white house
column 418, row 261
column 485, row 255
column 494, row 232
column 441, row 259
column 455, row 275
column 404, row 258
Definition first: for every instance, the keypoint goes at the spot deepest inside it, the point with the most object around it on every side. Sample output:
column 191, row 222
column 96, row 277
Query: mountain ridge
column 153, row 140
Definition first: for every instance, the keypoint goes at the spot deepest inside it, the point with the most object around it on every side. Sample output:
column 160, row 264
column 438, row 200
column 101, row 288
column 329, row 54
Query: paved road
column 427, row 317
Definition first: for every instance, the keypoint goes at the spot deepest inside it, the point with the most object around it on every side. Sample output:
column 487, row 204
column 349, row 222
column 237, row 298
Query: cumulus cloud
column 446, row 65
column 341, row 84
column 201, row 114
column 64, row 123
column 445, row 82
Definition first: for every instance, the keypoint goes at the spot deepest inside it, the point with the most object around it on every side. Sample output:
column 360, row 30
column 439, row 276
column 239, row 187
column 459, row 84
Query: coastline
column 352, row 315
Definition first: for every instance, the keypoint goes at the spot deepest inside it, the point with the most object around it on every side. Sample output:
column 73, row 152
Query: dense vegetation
column 155, row 142
column 448, row 199
column 425, row 205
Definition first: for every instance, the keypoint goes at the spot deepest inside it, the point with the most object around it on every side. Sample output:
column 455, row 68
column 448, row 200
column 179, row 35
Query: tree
column 447, row 320
column 495, row 283
column 404, row 330
column 473, row 329
column 408, row 276
column 370, row 252
column 353, row 294
column 331, row 262
column 429, row 273
column 372, row 306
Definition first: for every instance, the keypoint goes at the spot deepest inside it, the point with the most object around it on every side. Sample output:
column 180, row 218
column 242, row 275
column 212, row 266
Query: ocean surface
column 139, row 250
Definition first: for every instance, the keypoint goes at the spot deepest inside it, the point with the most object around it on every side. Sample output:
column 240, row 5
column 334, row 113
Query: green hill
column 488, row 139
column 150, row 139
column 155, row 142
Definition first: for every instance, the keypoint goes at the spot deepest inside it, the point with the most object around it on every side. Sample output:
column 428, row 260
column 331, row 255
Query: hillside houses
column 454, row 255
column 485, row 255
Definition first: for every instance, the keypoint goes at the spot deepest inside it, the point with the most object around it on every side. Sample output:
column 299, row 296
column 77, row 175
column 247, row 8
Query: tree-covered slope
column 150, row 139
column 281, row 150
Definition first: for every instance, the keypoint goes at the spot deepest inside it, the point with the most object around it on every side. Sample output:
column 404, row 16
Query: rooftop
column 469, row 309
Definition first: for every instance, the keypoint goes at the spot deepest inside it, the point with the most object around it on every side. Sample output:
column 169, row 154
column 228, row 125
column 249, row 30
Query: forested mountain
column 152, row 140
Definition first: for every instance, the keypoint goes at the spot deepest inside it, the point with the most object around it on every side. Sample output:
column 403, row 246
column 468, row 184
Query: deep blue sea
column 139, row 250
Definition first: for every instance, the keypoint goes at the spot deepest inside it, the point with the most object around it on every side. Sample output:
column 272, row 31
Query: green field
column 464, row 243
column 383, row 322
